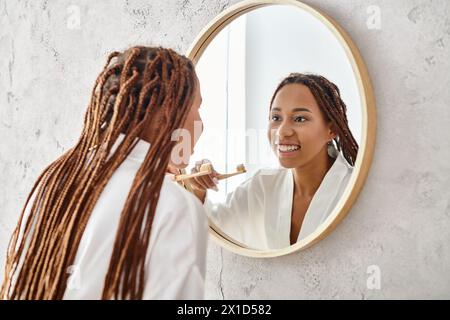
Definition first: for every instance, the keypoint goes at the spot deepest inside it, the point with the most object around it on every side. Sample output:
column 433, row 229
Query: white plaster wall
column 401, row 220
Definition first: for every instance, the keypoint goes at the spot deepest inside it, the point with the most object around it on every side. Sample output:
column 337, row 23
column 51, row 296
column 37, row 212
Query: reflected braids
column 328, row 97
column 138, row 89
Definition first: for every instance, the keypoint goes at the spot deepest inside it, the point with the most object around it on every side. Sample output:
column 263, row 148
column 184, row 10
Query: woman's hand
column 201, row 184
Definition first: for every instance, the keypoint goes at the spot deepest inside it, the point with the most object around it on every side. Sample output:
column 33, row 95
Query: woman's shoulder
column 178, row 196
column 271, row 175
column 266, row 177
column 178, row 203
column 271, row 171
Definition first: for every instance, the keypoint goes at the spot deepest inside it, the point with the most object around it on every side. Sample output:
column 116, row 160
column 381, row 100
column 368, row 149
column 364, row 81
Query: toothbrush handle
column 182, row 177
column 228, row 175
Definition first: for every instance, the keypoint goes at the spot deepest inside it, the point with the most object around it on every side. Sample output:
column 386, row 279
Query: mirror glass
column 298, row 146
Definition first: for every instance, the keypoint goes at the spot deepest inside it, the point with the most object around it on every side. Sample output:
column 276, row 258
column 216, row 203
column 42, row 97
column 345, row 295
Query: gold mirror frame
column 365, row 154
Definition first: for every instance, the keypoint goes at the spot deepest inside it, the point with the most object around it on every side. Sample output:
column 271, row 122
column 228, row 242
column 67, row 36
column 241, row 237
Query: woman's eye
column 275, row 118
column 300, row 119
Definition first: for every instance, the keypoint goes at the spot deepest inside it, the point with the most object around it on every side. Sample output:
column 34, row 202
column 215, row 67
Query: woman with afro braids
column 104, row 221
column 309, row 133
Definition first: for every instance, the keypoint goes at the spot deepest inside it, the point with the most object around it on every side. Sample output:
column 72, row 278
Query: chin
column 182, row 166
column 184, row 161
column 288, row 163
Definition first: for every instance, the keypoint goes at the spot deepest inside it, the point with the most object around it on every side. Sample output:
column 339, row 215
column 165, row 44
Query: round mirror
column 289, row 125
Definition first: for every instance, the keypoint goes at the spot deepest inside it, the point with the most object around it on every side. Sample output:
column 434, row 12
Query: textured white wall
column 401, row 220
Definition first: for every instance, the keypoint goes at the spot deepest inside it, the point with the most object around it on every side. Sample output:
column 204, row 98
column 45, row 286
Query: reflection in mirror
column 281, row 98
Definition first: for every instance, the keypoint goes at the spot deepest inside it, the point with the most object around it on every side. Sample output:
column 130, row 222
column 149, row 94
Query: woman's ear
column 332, row 131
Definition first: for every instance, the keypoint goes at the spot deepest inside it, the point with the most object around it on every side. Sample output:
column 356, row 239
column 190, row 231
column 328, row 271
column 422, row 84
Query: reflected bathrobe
column 258, row 212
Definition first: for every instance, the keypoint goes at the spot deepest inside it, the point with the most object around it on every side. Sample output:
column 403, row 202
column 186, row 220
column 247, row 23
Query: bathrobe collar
column 324, row 200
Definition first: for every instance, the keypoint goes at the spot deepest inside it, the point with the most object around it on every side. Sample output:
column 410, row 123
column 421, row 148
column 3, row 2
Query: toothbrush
column 206, row 169
column 239, row 170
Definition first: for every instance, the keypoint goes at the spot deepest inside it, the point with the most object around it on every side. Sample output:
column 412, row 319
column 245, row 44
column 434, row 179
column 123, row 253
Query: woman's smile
column 287, row 149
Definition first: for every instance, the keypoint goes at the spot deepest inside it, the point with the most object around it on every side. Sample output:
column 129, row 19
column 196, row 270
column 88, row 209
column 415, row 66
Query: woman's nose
column 285, row 130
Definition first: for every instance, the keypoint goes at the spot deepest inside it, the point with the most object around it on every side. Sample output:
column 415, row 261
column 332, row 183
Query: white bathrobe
column 258, row 213
column 176, row 259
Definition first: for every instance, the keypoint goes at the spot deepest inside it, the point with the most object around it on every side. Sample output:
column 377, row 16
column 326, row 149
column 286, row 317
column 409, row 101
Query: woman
column 276, row 208
column 104, row 220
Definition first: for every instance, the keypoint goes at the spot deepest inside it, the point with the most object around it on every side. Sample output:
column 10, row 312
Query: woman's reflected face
column 298, row 130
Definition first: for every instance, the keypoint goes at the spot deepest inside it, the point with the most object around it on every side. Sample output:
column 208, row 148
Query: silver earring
column 332, row 152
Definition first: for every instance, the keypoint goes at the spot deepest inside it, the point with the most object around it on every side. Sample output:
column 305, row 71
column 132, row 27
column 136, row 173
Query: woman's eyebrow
column 294, row 110
column 301, row 109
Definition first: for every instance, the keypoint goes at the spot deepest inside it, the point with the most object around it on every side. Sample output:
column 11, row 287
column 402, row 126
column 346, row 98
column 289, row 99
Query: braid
column 328, row 97
column 144, row 88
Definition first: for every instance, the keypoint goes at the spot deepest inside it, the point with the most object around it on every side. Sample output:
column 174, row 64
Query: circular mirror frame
column 368, row 112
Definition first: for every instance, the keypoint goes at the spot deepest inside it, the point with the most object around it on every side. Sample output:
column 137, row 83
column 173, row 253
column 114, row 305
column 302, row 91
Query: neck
column 308, row 177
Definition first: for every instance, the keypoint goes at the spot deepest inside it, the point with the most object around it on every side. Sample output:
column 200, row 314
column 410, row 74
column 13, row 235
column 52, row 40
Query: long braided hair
column 140, row 89
column 329, row 99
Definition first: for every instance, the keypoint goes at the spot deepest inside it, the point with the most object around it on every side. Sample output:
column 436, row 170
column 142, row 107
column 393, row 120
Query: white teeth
column 288, row 148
